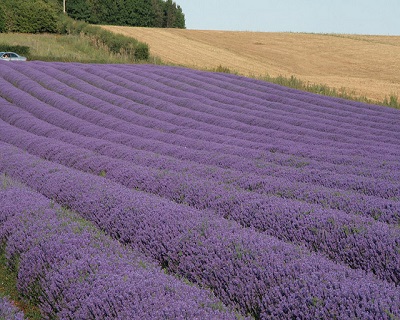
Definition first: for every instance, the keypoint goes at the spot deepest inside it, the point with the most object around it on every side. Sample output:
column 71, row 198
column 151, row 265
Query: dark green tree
column 29, row 16
column 180, row 18
column 79, row 9
column 169, row 14
column 143, row 13
column 2, row 19
column 158, row 9
column 173, row 15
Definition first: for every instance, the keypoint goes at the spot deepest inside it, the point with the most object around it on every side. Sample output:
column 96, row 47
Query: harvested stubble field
column 158, row 192
column 364, row 65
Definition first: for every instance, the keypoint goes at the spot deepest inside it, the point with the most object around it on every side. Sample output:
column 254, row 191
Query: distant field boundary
column 322, row 89
column 363, row 67
column 76, row 48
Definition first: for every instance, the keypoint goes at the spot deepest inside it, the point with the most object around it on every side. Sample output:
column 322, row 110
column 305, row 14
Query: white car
column 11, row 56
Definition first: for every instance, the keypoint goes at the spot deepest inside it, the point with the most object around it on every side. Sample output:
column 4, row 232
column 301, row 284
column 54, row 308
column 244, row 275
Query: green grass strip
column 8, row 288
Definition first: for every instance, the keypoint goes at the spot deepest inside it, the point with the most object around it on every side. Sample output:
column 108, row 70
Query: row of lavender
column 386, row 186
column 350, row 111
column 253, row 272
column 141, row 82
column 9, row 311
column 358, row 241
column 227, row 102
column 173, row 108
column 381, row 210
column 73, row 271
column 154, row 112
column 220, row 110
column 347, row 200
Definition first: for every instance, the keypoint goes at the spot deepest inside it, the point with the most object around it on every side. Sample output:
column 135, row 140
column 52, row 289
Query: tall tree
column 158, row 9
column 29, row 16
column 79, row 9
column 173, row 15
column 180, row 19
column 144, row 13
column 2, row 19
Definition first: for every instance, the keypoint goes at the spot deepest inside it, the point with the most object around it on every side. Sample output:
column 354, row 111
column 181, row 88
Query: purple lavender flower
column 9, row 310
column 241, row 266
column 73, row 271
column 285, row 204
column 357, row 241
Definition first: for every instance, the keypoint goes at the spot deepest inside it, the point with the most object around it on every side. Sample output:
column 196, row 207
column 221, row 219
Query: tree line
column 143, row 13
column 37, row 16
column 32, row 16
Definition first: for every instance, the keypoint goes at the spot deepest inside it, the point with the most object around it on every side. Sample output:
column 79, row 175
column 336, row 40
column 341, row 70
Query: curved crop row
column 357, row 241
column 369, row 186
column 254, row 272
column 351, row 202
column 127, row 84
column 246, row 164
column 136, row 95
column 336, row 106
column 156, row 117
column 204, row 89
column 75, row 272
column 284, row 136
column 342, row 110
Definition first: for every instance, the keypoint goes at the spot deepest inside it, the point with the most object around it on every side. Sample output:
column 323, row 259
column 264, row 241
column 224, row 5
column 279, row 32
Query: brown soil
column 365, row 65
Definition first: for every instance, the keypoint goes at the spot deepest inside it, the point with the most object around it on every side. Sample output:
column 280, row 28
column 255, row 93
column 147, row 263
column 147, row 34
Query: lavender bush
column 387, row 188
column 349, row 201
column 260, row 166
column 73, row 271
column 285, row 204
column 9, row 311
column 354, row 240
column 253, row 272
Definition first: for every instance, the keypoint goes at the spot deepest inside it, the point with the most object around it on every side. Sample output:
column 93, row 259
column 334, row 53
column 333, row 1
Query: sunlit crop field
column 362, row 65
column 154, row 192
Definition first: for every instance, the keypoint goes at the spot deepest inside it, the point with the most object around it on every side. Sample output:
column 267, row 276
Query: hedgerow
column 99, row 37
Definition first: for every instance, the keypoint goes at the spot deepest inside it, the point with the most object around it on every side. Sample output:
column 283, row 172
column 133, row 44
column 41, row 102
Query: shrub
column 117, row 44
column 29, row 16
column 22, row 50
column 142, row 51
column 392, row 101
column 222, row 69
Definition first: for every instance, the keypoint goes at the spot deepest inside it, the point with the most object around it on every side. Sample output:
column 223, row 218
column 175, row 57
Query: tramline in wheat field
column 139, row 191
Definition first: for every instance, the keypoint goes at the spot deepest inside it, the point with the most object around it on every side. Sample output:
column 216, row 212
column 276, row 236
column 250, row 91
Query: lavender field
column 154, row 192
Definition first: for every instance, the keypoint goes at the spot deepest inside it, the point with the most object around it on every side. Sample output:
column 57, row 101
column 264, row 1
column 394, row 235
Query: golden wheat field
column 365, row 65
